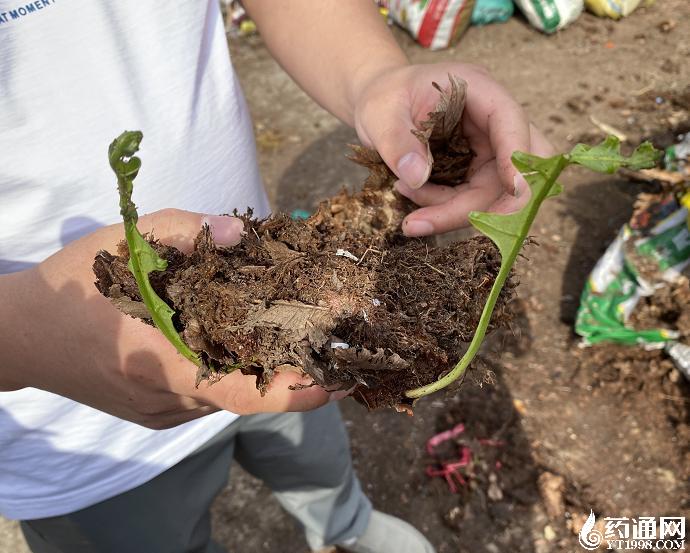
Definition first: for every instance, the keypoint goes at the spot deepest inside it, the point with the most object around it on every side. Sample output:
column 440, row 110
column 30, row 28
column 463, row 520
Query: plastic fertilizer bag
column 677, row 157
column 550, row 15
column 492, row 11
column 648, row 253
column 434, row 24
column 612, row 8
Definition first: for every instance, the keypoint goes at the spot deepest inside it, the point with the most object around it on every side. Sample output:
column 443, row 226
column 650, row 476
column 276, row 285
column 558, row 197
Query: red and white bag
column 435, row 24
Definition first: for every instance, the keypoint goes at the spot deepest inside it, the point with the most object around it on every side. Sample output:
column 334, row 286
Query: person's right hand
column 493, row 122
column 59, row 334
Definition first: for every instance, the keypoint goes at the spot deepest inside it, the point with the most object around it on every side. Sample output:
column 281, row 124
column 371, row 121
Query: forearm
column 12, row 329
column 38, row 314
column 332, row 48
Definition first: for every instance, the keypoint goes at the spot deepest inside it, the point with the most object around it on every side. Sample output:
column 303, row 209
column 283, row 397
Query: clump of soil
column 626, row 372
column 667, row 308
column 342, row 296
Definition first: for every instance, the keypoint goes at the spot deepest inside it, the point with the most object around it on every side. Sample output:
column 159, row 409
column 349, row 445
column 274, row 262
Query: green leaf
column 607, row 158
column 510, row 231
column 143, row 259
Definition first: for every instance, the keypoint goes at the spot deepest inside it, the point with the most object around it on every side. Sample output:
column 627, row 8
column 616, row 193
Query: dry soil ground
column 618, row 439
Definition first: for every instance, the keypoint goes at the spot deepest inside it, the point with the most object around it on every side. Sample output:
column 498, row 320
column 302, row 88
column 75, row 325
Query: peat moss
column 342, row 296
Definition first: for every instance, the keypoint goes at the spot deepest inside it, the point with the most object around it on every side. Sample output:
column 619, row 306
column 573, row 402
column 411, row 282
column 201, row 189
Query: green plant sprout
column 509, row 232
column 143, row 259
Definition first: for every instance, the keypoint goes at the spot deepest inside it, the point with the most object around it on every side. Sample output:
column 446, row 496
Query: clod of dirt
column 342, row 296
column 667, row 308
column 552, row 490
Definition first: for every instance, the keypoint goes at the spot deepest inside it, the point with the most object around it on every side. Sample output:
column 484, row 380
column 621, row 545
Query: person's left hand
column 392, row 103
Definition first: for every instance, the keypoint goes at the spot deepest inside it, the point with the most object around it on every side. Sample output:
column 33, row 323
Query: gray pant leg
column 305, row 459
column 169, row 514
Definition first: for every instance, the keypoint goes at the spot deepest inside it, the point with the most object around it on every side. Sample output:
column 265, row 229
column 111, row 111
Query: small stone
column 494, row 492
column 520, row 406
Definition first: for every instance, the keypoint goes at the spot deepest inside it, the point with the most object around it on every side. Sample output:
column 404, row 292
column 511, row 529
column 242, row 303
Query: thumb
column 179, row 228
column 402, row 151
column 226, row 230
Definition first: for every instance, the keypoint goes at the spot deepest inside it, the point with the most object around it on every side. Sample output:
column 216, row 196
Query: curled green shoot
column 510, row 231
column 143, row 259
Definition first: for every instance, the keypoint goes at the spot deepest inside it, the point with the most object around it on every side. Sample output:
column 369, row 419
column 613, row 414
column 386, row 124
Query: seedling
column 143, row 259
column 510, row 231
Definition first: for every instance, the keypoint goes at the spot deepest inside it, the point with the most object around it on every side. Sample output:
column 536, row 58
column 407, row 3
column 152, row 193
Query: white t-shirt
column 73, row 75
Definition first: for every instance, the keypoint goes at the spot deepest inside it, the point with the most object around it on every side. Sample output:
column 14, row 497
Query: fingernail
column 227, row 231
column 418, row 228
column 519, row 185
column 413, row 169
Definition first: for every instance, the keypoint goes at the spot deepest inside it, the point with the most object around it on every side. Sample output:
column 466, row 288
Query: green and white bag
column 551, row 15
column 617, row 282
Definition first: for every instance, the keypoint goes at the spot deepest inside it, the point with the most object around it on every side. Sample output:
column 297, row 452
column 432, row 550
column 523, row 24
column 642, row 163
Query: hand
column 58, row 333
column 391, row 104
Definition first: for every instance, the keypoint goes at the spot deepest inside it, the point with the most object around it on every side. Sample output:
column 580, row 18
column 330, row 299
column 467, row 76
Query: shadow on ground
column 320, row 171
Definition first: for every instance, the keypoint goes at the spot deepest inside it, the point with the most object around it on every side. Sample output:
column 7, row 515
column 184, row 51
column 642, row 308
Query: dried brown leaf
column 295, row 319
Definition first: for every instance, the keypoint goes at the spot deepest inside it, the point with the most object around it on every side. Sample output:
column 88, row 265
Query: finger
column 481, row 146
column 179, row 228
column 237, row 393
column 507, row 203
column 171, row 226
column 226, row 231
column 539, row 144
column 479, row 194
column 388, row 130
column 506, row 124
column 428, row 194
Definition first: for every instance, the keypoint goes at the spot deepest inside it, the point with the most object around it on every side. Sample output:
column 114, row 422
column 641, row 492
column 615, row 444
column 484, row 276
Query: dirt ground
column 612, row 435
